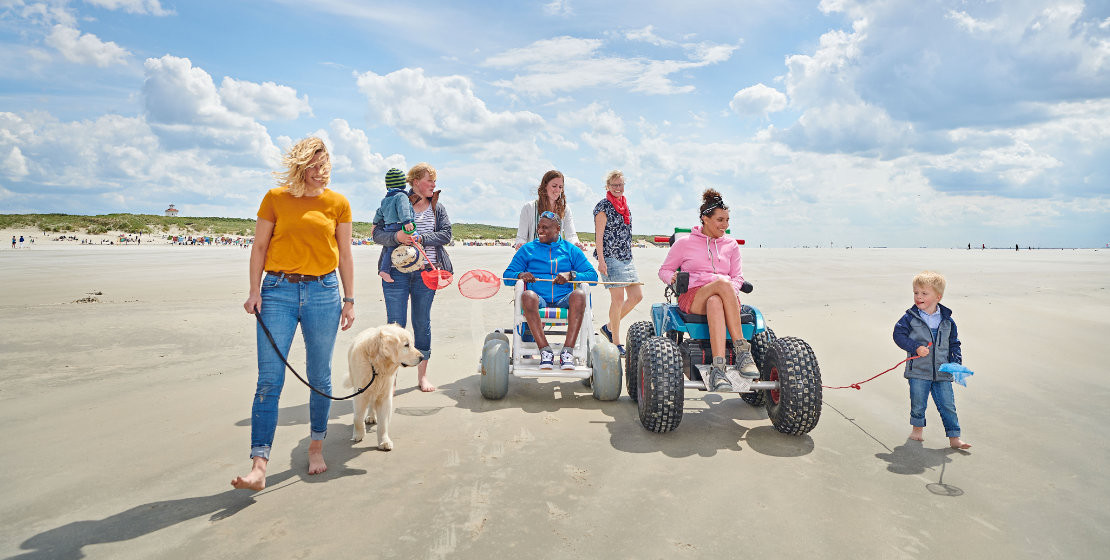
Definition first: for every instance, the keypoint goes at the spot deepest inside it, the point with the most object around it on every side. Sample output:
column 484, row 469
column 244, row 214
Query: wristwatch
column 348, row 300
column 573, row 275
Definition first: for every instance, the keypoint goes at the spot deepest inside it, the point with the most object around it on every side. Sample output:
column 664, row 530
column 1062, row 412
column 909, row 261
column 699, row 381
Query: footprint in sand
column 553, row 512
column 494, row 452
column 524, row 436
column 579, row 475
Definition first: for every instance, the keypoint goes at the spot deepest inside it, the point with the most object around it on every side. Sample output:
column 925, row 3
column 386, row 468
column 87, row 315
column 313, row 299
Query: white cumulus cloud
column 351, row 153
column 440, row 111
column 85, row 48
column 185, row 109
column 758, row 100
column 265, row 101
column 72, row 166
column 13, row 164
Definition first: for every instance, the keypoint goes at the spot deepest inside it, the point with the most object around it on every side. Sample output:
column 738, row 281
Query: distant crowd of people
column 224, row 240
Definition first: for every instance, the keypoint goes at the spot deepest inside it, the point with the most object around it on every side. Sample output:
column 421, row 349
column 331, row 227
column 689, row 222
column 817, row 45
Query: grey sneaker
column 717, row 379
column 744, row 361
column 547, row 358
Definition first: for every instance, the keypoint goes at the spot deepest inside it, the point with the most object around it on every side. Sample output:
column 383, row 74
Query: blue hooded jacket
column 911, row 331
column 546, row 260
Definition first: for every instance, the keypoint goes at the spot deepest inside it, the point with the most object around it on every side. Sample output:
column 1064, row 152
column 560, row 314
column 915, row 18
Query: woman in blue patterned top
column 613, row 233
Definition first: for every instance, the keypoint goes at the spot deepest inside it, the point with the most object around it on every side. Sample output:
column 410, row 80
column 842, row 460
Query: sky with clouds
column 898, row 123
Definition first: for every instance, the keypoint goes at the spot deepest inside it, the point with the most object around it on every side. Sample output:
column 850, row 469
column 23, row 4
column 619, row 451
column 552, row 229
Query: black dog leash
column 373, row 376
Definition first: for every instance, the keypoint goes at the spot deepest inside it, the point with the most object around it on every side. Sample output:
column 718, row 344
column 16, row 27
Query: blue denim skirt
column 619, row 271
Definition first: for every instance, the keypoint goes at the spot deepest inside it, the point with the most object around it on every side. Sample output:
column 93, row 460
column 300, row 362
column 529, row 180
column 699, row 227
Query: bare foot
column 316, row 463
column 957, row 443
column 385, row 276
column 915, row 434
column 256, row 480
column 426, row 385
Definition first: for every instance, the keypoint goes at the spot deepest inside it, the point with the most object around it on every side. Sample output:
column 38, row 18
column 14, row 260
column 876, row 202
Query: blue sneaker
column 566, row 359
column 547, row 358
column 620, row 347
column 608, row 333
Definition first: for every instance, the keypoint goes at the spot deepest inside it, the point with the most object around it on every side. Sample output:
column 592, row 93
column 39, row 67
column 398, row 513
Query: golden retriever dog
column 384, row 349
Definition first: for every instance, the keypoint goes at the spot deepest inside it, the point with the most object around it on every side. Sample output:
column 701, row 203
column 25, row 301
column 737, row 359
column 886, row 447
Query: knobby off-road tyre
column 606, row 364
column 661, row 385
column 761, row 344
column 495, row 369
column 637, row 334
column 795, row 407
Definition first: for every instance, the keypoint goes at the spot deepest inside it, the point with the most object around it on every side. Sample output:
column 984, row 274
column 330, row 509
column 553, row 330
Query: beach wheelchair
column 671, row 353
column 513, row 352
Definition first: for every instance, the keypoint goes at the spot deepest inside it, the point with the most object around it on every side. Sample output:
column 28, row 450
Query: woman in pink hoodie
column 713, row 261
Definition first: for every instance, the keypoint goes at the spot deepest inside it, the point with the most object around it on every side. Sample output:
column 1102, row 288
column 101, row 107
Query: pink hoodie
column 705, row 259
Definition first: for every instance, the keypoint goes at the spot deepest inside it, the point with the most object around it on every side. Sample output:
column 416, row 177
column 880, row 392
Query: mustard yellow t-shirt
column 304, row 230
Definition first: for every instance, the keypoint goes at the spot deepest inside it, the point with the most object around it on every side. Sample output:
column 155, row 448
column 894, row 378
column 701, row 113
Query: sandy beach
column 127, row 374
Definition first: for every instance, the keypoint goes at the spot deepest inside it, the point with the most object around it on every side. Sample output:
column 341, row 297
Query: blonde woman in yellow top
column 302, row 238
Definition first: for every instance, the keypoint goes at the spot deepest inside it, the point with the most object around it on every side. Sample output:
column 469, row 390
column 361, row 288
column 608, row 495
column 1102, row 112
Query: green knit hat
column 394, row 179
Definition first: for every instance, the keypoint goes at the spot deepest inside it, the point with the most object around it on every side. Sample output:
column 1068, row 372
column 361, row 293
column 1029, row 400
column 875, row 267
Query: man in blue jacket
column 551, row 258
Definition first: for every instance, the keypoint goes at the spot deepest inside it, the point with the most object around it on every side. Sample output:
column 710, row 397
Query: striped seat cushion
column 553, row 313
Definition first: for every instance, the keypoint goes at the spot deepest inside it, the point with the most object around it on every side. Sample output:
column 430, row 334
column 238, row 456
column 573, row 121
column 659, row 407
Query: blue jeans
column 316, row 306
column 410, row 286
column 943, row 397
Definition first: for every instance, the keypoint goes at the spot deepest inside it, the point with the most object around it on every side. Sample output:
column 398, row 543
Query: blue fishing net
column 959, row 372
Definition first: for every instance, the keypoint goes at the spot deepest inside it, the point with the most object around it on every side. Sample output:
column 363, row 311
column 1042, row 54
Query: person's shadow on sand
column 913, row 458
column 67, row 541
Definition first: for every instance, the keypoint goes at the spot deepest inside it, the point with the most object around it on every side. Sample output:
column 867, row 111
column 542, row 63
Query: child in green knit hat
column 395, row 213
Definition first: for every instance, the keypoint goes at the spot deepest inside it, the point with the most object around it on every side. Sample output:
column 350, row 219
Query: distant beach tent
column 171, row 211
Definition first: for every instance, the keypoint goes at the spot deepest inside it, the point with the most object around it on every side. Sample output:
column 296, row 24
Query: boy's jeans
column 316, row 306
column 943, row 397
column 406, row 286
column 387, row 263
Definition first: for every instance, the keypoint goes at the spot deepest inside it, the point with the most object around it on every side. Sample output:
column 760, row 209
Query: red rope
column 856, row 386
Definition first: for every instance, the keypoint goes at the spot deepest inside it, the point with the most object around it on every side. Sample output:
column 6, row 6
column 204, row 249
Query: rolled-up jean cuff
column 261, row 451
column 426, row 353
column 319, row 436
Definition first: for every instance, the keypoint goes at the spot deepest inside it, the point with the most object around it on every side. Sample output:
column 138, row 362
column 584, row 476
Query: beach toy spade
column 959, row 372
column 483, row 284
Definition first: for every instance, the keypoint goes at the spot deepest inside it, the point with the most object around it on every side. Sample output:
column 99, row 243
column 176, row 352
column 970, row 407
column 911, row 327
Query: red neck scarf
column 620, row 205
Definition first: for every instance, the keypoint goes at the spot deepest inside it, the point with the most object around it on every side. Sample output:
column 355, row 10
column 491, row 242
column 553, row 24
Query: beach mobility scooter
column 597, row 361
column 671, row 353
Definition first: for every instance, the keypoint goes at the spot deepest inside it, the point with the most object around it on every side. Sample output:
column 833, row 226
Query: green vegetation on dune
column 128, row 223
column 481, row 231
column 152, row 224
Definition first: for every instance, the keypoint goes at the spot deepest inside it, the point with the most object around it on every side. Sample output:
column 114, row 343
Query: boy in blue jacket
column 395, row 214
column 928, row 323
column 553, row 258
